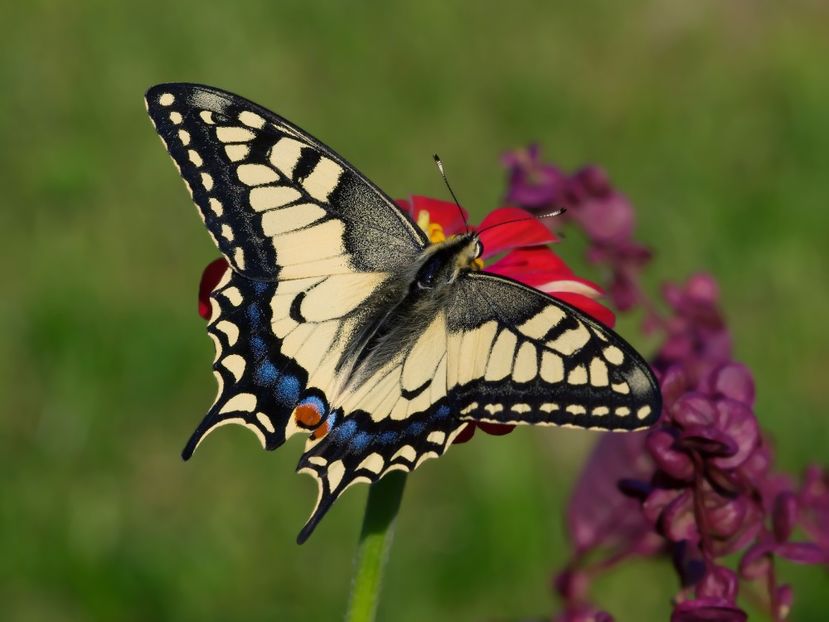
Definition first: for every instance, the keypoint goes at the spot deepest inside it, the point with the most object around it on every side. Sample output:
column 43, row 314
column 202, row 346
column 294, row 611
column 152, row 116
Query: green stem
column 375, row 540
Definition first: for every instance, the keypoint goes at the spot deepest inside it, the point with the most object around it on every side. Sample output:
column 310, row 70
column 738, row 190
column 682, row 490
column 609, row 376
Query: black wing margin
column 245, row 166
column 517, row 355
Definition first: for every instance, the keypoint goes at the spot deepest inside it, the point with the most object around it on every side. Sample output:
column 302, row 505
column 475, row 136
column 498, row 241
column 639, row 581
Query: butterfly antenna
column 557, row 212
column 446, row 181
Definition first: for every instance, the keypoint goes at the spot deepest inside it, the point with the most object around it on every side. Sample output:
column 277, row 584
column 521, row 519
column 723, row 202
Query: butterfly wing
column 278, row 203
column 311, row 243
column 498, row 352
column 517, row 355
column 396, row 419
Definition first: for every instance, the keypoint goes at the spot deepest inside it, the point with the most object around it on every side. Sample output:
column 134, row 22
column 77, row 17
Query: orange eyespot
column 307, row 416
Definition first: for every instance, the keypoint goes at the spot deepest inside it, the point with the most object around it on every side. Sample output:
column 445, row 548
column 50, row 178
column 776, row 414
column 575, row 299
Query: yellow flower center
column 433, row 229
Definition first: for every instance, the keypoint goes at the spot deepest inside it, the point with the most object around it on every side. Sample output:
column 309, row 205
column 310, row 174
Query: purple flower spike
column 719, row 582
column 677, row 521
column 734, row 381
column 740, row 424
column 784, row 515
column 708, row 610
column 532, row 183
column 783, row 601
column 702, row 484
column 693, row 409
column 661, row 446
column 727, row 516
column 802, row 553
column 707, row 440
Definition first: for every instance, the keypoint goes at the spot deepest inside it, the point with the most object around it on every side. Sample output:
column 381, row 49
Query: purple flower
column 701, row 486
column 532, row 183
column 708, row 610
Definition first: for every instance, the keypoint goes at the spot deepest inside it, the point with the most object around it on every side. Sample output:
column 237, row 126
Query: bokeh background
column 711, row 116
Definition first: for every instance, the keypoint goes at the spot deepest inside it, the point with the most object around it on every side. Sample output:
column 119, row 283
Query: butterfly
column 340, row 320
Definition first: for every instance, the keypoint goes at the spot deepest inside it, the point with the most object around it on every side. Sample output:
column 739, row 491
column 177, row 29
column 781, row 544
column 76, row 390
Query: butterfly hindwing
column 517, row 355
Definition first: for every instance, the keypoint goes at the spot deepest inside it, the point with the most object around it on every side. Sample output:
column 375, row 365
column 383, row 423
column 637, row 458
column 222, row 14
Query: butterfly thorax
column 422, row 292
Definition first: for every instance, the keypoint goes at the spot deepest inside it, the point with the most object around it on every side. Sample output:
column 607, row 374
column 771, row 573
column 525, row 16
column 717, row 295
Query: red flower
column 515, row 245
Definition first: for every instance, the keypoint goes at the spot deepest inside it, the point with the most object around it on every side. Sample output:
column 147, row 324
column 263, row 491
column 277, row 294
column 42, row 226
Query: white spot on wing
column 578, row 375
column 256, row 174
column 526, row 363
column 237, row 152
column 269, row 197
column 571, row 340
column 500, row 358
column 234, row 134
column 323, row 179
column 235, row 364
column 437, row 437
column 285, row 154
column 598, row 373
column 538, row 325
column 407, row 452
column 336, row 470
column 613, row 355
column 266, row 422
column 251, row 119
column 166, row 99
column 241, row 402
column 552, row 367
column 280, row 221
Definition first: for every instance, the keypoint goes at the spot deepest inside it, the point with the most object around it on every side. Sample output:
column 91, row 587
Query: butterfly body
column 339, row 320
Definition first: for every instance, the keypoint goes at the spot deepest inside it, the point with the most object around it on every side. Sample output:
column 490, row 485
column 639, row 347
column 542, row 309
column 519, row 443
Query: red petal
column 465, row 435
column 448, row 215
column 589, row 306
column 527, row 230
column 538, row 264
column 209, row 279
column 495, row 429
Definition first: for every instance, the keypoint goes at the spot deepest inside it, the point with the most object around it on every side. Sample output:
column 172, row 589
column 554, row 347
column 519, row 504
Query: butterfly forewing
column 278, row 203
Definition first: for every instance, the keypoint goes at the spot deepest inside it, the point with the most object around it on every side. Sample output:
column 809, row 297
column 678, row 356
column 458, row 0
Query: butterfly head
column 443, row 263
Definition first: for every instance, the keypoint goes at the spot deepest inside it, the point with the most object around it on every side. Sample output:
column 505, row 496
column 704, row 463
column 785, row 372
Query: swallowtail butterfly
column 339, row 320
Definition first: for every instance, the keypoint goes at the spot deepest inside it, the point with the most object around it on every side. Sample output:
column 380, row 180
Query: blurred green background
column 712, row 116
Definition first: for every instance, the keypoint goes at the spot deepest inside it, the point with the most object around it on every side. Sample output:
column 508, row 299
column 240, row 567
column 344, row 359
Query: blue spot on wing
column 360, row 441
column 266, row 373
column 387, row 438
column 254, row 313
column 258, row 347
column 442, row 412
column 416, row 428
column 287, row 389
column 344, row 431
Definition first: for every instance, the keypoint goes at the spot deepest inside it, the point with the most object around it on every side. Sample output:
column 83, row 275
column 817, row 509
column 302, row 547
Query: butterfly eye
column 426, row 276
column 479, row 249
